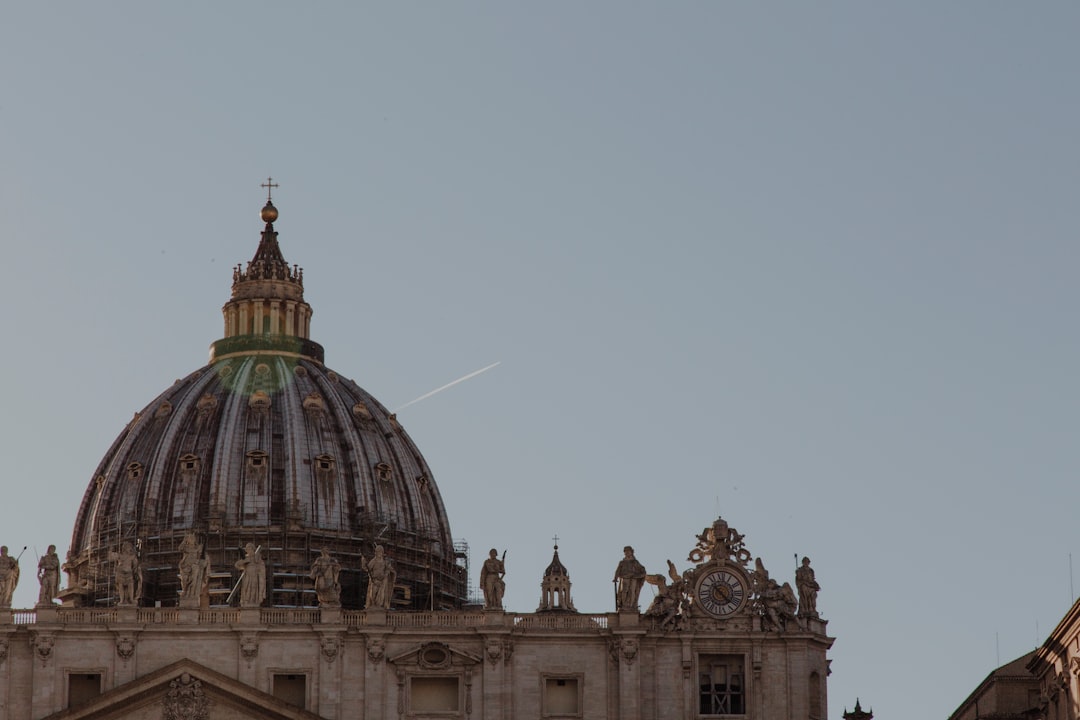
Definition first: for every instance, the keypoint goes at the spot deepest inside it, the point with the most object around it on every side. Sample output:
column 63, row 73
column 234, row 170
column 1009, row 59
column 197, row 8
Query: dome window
column 256, row 459
column 257, row 462
column 135, row 471
column 324, row 470
column 164, row 410
column 189, row 468
column 384, row 472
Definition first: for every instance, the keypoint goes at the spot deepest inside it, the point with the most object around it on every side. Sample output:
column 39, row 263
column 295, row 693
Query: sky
column 810, row 266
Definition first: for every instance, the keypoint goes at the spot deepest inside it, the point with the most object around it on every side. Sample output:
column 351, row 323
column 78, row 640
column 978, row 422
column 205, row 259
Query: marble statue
column 491, row 580
column 629, row 577
column 381, row 577
column 48, row 573
column 128, row 575
column 808, row 589
column 252, row 577
column 671, row 604
column 325, row 571
column 9, row 577
column 193, row 566
column 774, row 602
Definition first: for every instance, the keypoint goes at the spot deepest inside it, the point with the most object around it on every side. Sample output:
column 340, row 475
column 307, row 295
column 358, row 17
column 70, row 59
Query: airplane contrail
column 448, row 385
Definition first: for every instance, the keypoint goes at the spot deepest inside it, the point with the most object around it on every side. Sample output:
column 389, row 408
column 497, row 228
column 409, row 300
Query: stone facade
column 123, row 662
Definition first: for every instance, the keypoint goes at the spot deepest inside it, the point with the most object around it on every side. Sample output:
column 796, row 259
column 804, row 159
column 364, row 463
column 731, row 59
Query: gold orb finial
column 269, row 212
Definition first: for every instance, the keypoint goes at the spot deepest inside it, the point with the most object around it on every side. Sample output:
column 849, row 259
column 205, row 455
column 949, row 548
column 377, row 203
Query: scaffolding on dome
column 429, row 577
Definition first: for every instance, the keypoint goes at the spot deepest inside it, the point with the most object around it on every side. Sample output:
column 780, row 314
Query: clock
column 721, row 592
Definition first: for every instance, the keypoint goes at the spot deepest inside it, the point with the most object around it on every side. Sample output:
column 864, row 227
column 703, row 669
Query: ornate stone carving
column 376, row 649
column 401, row 692
column 43, row 646
column 629, row 577
column 185, row 700
column 468, row 691
column 493, row 648
column 498, row 648
column 259, row 402
column 671, row 606
column 249, row 647
column 775, row 603
column 125, row 647
column 329, row 646
column 720, row 542
column 314, row 403
column 491, row 580
column 434, row 656
column 623, row 648
column 206, row 405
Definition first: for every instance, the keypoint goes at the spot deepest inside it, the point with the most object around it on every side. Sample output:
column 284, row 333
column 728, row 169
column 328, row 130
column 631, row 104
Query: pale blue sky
column 809, row 265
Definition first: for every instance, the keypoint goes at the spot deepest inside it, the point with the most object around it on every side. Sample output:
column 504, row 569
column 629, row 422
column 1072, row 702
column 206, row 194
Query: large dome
column 266, row 445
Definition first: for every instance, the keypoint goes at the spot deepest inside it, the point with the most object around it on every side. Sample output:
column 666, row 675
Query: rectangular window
column 434, row 694
column 720, row 685
column 291, row 689
column 562, row 696
column 83, row 687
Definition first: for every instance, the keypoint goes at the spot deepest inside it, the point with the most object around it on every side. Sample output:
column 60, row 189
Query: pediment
column 184, row 690
column 434, row 656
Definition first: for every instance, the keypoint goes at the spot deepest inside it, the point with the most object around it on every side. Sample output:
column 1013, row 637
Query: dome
column 266, row 445
column 556, row 568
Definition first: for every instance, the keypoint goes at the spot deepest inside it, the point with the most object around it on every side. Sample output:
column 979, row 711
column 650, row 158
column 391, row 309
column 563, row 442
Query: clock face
column 721, row 593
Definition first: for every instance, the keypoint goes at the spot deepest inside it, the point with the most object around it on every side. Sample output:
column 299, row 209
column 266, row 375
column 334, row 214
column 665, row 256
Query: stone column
column 290, row 317
column 379, row 677
column 257, row 311
column 626, row 647
column 275, row 317
column 46, row 697
column 329, row 696
column 246, row 665
column 496, row 692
